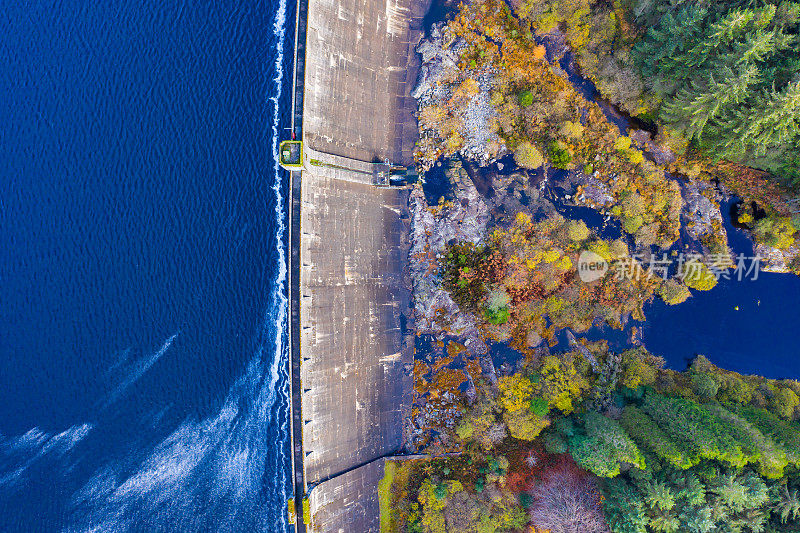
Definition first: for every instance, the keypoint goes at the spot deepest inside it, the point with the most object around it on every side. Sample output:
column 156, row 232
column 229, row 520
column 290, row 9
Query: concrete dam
column 351, row 361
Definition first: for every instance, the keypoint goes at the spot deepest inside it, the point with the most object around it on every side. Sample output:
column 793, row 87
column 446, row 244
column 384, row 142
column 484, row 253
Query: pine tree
column 773, row 121
column 697, row 519
column 624, row 508
column 759, row 45
column 669, row 40
column 659, row 496
column 704, row 101
column 727, row 73
column 787, row 505
column 665, row 522
column 730, row 492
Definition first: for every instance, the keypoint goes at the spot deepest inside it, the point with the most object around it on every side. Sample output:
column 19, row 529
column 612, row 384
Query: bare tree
column 564, row 502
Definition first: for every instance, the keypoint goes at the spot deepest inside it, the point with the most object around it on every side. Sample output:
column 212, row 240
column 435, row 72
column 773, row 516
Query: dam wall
column 360, row 70
column 356, row 367
column 348, row 502
column 355, row 373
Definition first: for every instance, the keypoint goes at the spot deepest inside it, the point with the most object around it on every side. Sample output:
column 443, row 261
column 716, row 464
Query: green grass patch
column 385, row 496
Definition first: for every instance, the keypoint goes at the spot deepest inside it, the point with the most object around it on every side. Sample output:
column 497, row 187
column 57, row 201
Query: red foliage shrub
column 516, row 482
column 756, row 185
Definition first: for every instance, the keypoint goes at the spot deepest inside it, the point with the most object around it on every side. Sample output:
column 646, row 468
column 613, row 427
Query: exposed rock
column 533, row 339
column 660, row 154
column 464, row 219
column 555, row 43
column 503, row 181
column 438, row 63
column 702, row 212
column 594, row 193
column 481, row 141
column 775, row 260
column 438, row 77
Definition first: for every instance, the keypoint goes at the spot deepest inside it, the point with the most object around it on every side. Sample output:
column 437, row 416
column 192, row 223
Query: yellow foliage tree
column 524, row 425
column 515, row 392
column 559, row 383
column 528, row 156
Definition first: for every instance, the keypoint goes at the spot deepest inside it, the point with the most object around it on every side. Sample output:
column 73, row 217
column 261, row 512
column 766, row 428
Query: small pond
column 751, row 326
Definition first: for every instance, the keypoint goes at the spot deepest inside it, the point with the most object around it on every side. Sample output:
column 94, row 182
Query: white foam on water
column 137, row 369
column 26, row 451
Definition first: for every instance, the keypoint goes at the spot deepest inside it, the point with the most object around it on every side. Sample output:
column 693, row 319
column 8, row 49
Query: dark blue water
column 749, row 326
column 142, row 261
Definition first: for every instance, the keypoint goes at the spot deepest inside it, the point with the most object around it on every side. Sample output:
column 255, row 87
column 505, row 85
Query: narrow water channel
column 749, row 326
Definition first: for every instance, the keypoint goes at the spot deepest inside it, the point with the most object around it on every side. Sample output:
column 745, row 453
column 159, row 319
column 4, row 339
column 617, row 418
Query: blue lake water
column 143, row 297
column 747, row 325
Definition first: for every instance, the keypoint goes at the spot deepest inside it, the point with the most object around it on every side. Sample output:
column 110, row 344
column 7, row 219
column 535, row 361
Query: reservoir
column 143, row 298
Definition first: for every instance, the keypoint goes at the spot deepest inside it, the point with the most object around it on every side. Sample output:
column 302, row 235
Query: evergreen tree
column 703, row 100
column 659, row 496
column 646, row 433
column 667, row 41
column 697, row 519
column 624, row 508
column 604, row 447
column 728, row 74
column 665, row 522
column 787, row 504
column 691, row 488
column 731, row 492
column 772, row 122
